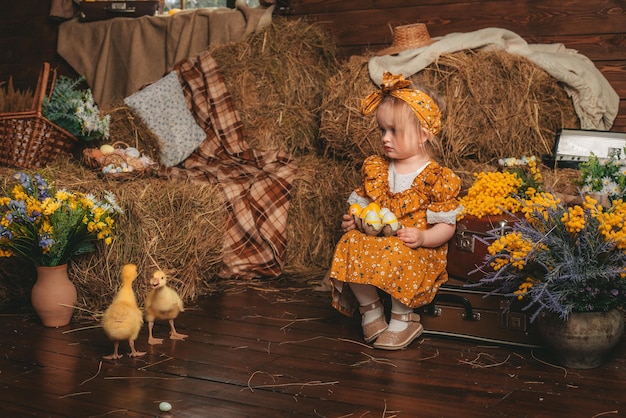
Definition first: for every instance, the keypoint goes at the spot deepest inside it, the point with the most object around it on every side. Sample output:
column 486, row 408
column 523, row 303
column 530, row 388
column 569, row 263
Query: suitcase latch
column 120, row 7
column 464, row 239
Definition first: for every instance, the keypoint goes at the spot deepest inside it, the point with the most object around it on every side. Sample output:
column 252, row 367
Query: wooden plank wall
column 28, row 36
column 595, row 28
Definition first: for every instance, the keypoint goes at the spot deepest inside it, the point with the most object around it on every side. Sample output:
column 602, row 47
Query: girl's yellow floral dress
column 412, row 276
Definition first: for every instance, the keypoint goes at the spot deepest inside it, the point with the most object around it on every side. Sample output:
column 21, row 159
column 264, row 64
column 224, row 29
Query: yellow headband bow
column 397, row 86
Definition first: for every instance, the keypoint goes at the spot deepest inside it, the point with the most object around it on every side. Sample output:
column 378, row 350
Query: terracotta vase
column 584, row 340
column 53, row 296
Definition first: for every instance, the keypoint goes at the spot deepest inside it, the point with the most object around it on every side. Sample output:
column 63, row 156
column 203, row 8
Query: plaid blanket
column 256, row 184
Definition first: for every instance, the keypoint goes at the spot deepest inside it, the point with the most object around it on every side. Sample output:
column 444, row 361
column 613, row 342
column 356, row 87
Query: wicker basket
column 28, row 139
column 139, row 167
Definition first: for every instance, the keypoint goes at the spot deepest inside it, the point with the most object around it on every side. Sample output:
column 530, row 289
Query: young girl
column 410, row 266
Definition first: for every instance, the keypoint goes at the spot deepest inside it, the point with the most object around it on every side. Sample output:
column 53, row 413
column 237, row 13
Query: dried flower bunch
column 604, row 176
column 561, row 259
column 48, row 226
column 75, row 110
column 494, row 193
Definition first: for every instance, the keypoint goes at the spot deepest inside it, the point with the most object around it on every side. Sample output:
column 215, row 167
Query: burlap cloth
column 118, row 56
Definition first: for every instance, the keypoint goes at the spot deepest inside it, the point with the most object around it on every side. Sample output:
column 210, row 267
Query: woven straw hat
column 407, row 37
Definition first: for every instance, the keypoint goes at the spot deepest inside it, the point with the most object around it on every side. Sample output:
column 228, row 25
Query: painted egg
column 133, row 152
column 107, row 149
column 372, row 219
column 390, row 219
column 165, row 406
column 146, row 161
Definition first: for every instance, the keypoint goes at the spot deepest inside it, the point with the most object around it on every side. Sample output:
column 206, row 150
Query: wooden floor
column 277, row 350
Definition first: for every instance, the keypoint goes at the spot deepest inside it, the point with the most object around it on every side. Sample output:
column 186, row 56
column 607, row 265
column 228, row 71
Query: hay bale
column 320, row 191
column 277, row 79
column 175, row 225
column 127, row 127
column 346, row 133
column 498, row 105
column 562, row 182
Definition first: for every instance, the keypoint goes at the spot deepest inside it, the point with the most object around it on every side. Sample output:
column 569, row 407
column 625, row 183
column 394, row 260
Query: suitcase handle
column 469, row 314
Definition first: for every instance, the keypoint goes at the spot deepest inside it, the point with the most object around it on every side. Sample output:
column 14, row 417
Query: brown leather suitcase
column 470, row 313
column 464, row 309
column 466, row 252
column 91, row 11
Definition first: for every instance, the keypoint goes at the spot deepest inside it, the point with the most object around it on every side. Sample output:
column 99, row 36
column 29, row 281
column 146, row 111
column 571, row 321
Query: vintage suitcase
column 101, row 10
column 470, row 313
column 466, row 252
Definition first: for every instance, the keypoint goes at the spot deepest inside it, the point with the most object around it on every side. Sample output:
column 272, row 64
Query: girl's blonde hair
column 404, row 116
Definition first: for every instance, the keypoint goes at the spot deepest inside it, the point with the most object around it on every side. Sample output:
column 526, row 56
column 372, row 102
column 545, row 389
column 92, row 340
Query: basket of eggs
column 118, row 161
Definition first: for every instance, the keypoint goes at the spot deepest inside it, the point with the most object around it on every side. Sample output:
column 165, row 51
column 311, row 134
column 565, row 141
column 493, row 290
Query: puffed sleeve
column 374, row 177
column 356, row 198
column 445, row 205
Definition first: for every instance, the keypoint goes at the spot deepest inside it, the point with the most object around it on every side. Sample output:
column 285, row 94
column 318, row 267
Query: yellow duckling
column 162, row 303
column 123, row 319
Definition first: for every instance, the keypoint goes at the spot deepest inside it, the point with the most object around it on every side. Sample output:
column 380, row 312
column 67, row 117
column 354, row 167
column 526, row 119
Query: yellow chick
column 123, row 319
column 162, row 303
column 372, row 206
column 355, row 212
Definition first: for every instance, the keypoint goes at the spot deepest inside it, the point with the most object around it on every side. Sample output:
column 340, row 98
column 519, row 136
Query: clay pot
column 585, row 340
column 53, row 296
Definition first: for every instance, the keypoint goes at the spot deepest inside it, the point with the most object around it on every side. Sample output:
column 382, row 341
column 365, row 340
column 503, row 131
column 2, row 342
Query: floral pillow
column 163, row 108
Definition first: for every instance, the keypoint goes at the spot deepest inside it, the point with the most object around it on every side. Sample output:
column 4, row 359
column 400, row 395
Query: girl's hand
column 347, row 223
column 432, row 237
column 411, row 237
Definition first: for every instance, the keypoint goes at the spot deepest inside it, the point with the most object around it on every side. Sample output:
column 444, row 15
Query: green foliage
column 604, row 176
column 75, row 111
